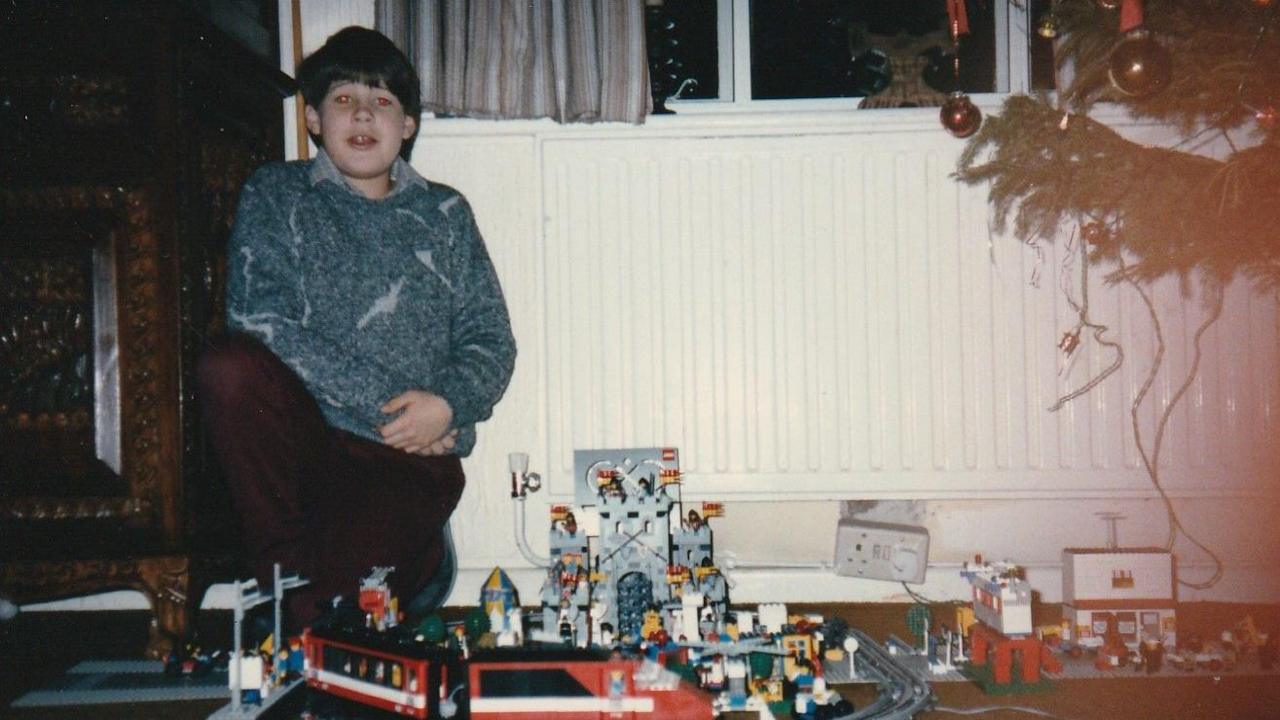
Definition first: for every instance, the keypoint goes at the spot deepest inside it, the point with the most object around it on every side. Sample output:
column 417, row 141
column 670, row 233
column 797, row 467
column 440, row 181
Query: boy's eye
column 384, row 102
column 342, row 99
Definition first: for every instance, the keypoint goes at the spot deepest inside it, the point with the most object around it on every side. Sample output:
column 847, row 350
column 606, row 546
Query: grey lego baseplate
column 1082, row 668
column 104, row 682
column 118, row 667
column 248, row 712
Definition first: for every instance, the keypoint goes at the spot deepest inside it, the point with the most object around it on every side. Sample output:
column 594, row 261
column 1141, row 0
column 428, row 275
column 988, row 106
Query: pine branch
column 1170, row 210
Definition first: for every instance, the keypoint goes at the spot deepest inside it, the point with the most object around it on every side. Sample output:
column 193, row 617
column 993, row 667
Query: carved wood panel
column 60, row 427
column 127, row 130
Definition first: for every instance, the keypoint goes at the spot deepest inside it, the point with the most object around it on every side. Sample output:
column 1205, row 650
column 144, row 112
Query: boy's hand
column 422, row 427
column 442, row 446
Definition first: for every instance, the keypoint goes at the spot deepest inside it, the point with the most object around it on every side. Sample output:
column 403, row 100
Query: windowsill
column 1108, row 113
column 780, row 117
column 717, row 107
column 766, row 117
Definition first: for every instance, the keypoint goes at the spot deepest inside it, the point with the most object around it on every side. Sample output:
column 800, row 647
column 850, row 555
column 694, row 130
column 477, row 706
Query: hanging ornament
column 1069, row 342
column 1108, row 4
column 1095, row 233
column 1047, row 28
column 1267, row 117
column 960, row 116
column 1140, row 66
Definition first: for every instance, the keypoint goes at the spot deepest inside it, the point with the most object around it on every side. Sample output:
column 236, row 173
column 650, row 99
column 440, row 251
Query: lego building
column 1134, row 587
column 648, row 554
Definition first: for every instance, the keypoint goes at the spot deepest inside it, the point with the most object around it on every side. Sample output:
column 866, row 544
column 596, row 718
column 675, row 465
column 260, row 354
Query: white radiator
column 810, row 308
column 829, row 315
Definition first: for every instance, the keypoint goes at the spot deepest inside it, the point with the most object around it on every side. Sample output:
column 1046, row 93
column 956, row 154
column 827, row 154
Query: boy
column 371, row 336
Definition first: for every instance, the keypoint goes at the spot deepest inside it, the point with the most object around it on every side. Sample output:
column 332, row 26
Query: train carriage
column 415, row 679
column 383, row 671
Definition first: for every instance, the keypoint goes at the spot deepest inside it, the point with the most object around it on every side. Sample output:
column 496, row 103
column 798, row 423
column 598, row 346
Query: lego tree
column 1203, row 207
column 918, row 624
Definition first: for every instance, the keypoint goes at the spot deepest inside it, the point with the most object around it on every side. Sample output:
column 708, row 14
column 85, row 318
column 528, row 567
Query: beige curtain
column 571, row 60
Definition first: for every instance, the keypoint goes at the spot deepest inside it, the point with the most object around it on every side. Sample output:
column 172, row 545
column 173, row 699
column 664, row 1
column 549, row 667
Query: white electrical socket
column 881, row 550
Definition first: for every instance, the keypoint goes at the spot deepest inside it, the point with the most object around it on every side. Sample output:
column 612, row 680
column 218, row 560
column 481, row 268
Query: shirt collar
column 402, row 175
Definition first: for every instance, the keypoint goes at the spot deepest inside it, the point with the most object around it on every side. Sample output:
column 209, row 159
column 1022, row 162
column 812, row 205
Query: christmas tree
column 1205, row 68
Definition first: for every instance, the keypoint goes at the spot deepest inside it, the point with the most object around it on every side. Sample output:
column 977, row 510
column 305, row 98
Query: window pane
column 681, row 37
column 1042, row 71
column 901, row 51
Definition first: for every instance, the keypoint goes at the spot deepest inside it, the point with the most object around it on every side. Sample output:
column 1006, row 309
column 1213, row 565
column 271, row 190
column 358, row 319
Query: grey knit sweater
column 365, row 299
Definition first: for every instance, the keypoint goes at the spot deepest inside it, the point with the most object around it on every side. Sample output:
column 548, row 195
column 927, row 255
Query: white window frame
column 733, row 40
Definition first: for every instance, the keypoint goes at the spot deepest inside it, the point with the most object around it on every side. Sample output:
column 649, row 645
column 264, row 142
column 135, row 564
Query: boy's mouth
column 361, row 141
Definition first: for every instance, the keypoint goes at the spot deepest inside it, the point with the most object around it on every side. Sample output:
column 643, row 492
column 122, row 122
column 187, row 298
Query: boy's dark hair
column 357, row 54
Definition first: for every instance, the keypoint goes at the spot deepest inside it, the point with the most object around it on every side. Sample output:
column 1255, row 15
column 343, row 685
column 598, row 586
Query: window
column 529, row 682
column 1151, row 624
column 363, row 666
column 1100, row 623
column 1127, row 623
column 836, row 53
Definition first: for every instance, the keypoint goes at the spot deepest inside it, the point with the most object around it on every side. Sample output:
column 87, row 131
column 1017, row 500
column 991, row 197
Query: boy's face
column 362, row 129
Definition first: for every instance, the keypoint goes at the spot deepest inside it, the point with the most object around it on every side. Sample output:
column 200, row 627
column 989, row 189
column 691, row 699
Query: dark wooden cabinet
column 126, row 130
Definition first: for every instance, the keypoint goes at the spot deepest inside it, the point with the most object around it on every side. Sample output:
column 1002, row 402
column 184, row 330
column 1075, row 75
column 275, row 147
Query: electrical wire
column 920, row 599
column 1098, row 330
column 1152, row 461
column 997, row 708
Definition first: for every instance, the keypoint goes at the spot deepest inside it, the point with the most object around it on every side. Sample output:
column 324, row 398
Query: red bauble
column 1140, row 66
column 1267, row 117
column 960, row 116
column 1095, row 233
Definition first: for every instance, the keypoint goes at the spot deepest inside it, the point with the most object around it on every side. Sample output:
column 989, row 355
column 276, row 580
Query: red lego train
column 407, row 677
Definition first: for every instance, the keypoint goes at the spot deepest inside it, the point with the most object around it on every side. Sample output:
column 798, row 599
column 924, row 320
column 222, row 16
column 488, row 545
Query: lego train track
column 903, row 693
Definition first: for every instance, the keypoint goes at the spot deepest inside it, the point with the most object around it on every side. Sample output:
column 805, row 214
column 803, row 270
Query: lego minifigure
column 694, row 522
column 1267, row 651
column 1152, row 652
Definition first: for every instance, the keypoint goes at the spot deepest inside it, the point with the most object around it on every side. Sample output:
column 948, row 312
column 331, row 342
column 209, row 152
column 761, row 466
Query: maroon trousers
column 321, row 502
